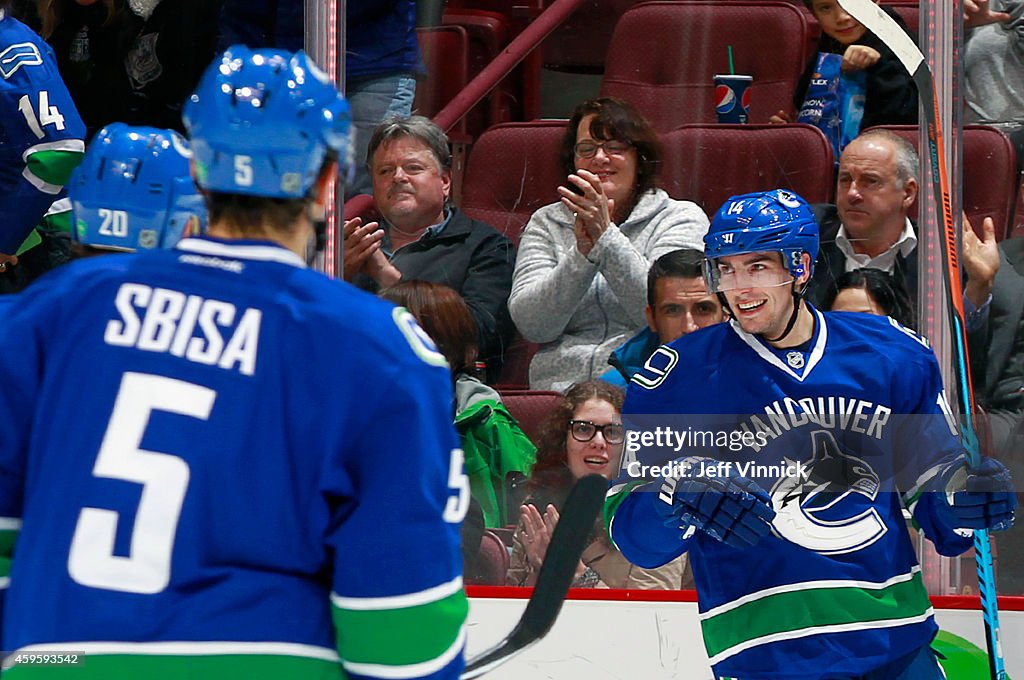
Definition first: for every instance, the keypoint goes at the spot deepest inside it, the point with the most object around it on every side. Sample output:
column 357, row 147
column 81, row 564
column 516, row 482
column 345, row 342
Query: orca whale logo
column 810, row 510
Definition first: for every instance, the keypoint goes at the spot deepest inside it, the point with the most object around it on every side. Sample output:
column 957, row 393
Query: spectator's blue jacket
column 630, row 357
column 381, row 39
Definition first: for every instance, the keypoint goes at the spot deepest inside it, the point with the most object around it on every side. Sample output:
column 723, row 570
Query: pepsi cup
column 732, row 98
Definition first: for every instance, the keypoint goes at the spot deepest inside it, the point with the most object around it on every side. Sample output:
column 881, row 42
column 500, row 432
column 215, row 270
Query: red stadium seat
column 989, row 175
column 489, row 33
column 513, row 169
column 664, row 55
column 709, row 163
column 445, row 51
column 492, row 562
column 580, row 44
column 530, row 408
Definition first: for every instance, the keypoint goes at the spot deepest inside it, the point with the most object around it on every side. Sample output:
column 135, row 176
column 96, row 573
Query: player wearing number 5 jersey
column 41, row 138
column 247, row 470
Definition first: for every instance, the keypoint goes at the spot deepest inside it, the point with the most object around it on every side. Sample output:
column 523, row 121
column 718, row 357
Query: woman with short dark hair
column 580, row 281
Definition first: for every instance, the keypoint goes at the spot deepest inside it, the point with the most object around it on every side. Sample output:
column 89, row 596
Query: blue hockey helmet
column 133, row 190
column 262, row 122
column 765, row 221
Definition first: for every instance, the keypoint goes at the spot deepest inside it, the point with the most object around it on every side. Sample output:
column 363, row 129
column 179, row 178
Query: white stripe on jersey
column 398, row 601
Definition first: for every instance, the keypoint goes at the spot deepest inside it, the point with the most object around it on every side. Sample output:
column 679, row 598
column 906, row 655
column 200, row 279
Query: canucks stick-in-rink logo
column 830, row 511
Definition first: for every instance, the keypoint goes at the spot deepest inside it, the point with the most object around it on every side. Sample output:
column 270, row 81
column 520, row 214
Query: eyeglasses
column 584, row 431
column 613, row 147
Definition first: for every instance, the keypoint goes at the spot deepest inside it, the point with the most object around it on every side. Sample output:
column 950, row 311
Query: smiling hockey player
column 804, row 568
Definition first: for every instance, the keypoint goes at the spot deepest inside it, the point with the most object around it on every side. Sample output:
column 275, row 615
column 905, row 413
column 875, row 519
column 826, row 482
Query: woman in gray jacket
column 580, row 280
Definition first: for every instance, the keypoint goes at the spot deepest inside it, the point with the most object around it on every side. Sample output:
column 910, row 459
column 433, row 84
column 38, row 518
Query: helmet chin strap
column 797, row 300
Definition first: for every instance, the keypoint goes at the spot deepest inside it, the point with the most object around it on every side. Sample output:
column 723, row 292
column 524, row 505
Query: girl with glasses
column 582, row 435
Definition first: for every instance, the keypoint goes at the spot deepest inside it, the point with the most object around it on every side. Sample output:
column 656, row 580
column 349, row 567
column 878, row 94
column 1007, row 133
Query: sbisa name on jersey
column 210, row 332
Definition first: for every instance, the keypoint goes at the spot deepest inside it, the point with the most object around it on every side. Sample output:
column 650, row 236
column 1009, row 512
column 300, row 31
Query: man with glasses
column 804, row 567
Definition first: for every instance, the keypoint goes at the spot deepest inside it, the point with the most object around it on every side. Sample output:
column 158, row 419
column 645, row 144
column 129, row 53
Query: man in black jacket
column 425, row 237
column 869, row 226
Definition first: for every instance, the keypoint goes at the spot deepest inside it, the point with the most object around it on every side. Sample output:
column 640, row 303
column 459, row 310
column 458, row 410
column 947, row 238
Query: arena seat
column 707, row 164
column 990, row 179
column 512, row 170
column 664, row 55
column 530, row 408
column 492, row 562
column 445, row 51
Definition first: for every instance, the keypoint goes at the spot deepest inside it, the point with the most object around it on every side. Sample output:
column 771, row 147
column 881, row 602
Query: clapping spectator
column 583, row 435
column 580, row 282
column 425, row 237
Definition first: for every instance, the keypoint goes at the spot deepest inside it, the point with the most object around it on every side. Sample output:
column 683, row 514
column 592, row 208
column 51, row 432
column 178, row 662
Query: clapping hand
column 591, row 209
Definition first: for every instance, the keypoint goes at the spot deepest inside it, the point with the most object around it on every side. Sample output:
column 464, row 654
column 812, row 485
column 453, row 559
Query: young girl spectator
column 580, row 282
column 583, row 435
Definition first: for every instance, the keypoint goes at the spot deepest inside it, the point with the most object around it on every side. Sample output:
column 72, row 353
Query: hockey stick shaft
column 570, row 537
column 879, row 23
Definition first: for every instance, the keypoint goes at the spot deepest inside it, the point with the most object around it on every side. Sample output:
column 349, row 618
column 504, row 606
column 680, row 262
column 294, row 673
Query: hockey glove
column 731, row 509
column 977, row 498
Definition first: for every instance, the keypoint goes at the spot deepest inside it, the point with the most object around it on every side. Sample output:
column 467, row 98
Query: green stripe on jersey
column 165, row 667
column 612, row 502
column 402, row 636
column 54, row 167
column 805, row 607
column 7, row 538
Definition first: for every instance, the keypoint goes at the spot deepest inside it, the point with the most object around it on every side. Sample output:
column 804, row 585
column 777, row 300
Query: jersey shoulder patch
column 18, row 55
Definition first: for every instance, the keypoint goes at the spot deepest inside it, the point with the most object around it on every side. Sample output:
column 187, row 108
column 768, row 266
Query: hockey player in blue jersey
column 41, row 141
column 134, row 190
column 217, row 463
column 823, row 428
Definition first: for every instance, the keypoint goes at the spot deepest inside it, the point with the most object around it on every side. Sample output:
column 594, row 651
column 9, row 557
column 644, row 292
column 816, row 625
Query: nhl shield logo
column 795, row 360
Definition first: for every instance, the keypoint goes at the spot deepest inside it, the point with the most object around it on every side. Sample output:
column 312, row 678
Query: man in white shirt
column 869, row 226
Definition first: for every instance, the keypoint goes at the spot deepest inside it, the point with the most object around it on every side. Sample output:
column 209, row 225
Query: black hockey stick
column 871, row 16
column 556, row 575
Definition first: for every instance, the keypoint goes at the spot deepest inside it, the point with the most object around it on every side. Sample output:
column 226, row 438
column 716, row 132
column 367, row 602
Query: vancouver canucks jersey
column 843, row 433
column 226, row 465
column 41, row 134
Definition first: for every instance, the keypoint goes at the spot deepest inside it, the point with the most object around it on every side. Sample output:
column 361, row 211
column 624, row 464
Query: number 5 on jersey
column 164, row 479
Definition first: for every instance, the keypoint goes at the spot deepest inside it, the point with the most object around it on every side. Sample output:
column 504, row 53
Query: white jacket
column 581, row 308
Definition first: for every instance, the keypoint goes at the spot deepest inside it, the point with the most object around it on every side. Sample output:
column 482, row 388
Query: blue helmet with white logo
column 133, row 190
column 262, row 122
column 765, row 221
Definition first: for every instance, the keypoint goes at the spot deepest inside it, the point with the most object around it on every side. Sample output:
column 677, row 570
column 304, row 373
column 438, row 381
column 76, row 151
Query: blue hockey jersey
column 41, row 133
column 226, row 465
column 842, row 433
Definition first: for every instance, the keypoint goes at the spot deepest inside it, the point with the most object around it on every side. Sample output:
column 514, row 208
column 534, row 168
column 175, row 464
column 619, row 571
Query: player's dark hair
column 886, row 290
column 551, row 478
column 249, row 214
column 617, row 120
column 685, row 263
column 444, row 315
